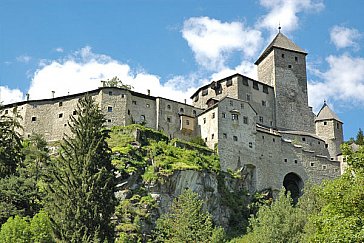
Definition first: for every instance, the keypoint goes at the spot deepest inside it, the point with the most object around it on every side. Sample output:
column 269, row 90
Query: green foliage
column 80, row 199
column 132, row 216
column 10, row 144
column 116, row 82
column 18, row 229
column 359, row 137
column 354, row 159
column 198, row 140
column 187, row 222
column 280, row 222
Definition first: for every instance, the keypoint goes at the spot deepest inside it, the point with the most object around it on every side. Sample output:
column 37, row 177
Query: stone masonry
column 263, row 128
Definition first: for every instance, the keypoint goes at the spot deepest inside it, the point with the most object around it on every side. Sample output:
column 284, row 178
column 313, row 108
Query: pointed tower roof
column 327, row 114
column 281, row 42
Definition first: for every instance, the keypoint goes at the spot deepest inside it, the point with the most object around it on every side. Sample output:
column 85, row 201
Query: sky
column 174, row 47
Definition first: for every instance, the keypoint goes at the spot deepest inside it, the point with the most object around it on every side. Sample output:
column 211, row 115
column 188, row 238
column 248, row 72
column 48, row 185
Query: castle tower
column 329, row 128
column 283, row 66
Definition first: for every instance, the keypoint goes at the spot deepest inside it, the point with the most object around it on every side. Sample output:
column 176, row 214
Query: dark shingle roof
column 282, row 42
column 327, row 114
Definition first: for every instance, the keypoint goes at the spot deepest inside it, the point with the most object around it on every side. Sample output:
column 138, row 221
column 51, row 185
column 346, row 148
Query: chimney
column 148, row 91
column 185, row 101
column 27, row 96
column 53, row 93
column 103, row 83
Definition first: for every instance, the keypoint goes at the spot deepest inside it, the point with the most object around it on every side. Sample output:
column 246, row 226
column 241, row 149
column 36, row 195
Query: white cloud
column 83, row 70
column 342, row 83
column 285, row 13
column 59, row 49
column 343, row 37
column 23, row 58
column 8, row 95
column 212, row 41
column 245, row 68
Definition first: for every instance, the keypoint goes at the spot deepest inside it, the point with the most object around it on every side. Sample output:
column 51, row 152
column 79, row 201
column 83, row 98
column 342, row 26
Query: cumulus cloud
column 8, row 95
column 23, row 58
column 343, row 37
column 59, row 49
column 84, row 70
column 343, row 82
column 285, row 13
column 212, row 41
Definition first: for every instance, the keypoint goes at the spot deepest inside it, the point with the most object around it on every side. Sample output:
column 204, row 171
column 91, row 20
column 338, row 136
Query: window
column 60, row 104
column 196, row 98
column 109, row 109
column 265, row 89
column 303, row 139
column 212, row 136
column 242, row 105
column 326, row 145
column 296, row 59
column 261, row 119
column 250, row 144
column 110, row 93
column 213, row 115
column 235, row 138
column 248, row 97
column 245, row 120
column 204, row 121
column 194, row 112
column 142, row 118
column 205, row 92
column 255, row 85
column 74, row 113
column 223, row 115
column 147, row 105
column 168, row 119
column 264, row 103
column 187, row 122
column 205, row 140
column 128, row 112
column 229, row 82
column 224, row 135
column 274, row 140
column 109, row 120
column 289, row 66
column 34, row 118
column 235, row 117
column 263, row 137
column 337, row 125
column 285, row 160
column 295, row 161
column 65, row 125
column 168, row 107
column 324, row 167
column 325, row 123
column 134, row 102
column 318, row 142
column 60, row 115
column 245, row 81
column 231, row 103
column 181, row 110
column 6, row 112
column 282, row 55
column 122, row 96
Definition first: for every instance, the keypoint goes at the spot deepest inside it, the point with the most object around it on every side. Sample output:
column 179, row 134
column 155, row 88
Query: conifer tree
column 81, row 197
column 360, row 137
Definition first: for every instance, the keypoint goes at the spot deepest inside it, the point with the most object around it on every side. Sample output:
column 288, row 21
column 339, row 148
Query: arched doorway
column 293, row 184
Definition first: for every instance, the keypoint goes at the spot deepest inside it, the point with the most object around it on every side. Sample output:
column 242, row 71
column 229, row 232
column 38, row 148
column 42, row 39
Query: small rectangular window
column 285, row 160
column 245, row 120
column 213, row 115
column 142, row 118
column 110, row 93
column 235, row 117
column 74, row 113
column 255, row 85
column 223, row 115
column 326, row 145
column 60, row 104
column 128, row 112
column 229, row 82
column 264, row 103
column 60, row 115
column 212, row 136
column 296, row 59
column 108, row 120
column 295, row 161
column 204, row 121
column 289, row 66
column 312, row 164
column 261, row 119
column 6, row 112
column 265, row 89
column 324, row 167
column 303, row 139
column 325, row 123
column 235, row 138
column 338, row 125
column 231, row 103
column 134, row 102
column 250, row 144
column 224, row 135
column 282, row 55
column 168, row 119
column 109, row 109
column 205, row 92
column 187, row 122
column 248, row 97
column 194, row 112
column 122, row 96
column 34, row 118
column 245, row 81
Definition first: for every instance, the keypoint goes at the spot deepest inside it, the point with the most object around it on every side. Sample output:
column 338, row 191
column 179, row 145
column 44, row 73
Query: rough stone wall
column 266, row 71
column 331, row 132
column 142, row 109
column 207, row 123
column 117, row 100
column 236, row 137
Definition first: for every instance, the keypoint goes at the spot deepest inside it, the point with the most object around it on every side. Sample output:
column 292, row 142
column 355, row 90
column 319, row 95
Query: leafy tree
column 81, row 197
column 279, row 222
column 187, row 222
column 22, row 229
column 359, row 137
column 10, row 144
column 116, row 82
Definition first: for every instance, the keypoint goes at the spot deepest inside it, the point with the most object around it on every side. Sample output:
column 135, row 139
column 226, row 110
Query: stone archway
column 293, row 184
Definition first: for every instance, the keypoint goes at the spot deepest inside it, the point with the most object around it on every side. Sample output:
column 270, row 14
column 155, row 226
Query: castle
column 264, row 128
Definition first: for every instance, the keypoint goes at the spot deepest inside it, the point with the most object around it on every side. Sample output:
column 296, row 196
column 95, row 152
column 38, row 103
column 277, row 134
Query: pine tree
column 81, row 197
column 359, row 137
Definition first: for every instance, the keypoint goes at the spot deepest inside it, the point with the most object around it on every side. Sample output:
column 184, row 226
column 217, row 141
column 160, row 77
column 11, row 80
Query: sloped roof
column 327, row 114
column 280, row 41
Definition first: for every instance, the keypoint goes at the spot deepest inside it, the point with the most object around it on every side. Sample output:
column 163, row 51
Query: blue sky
column 173, row 47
